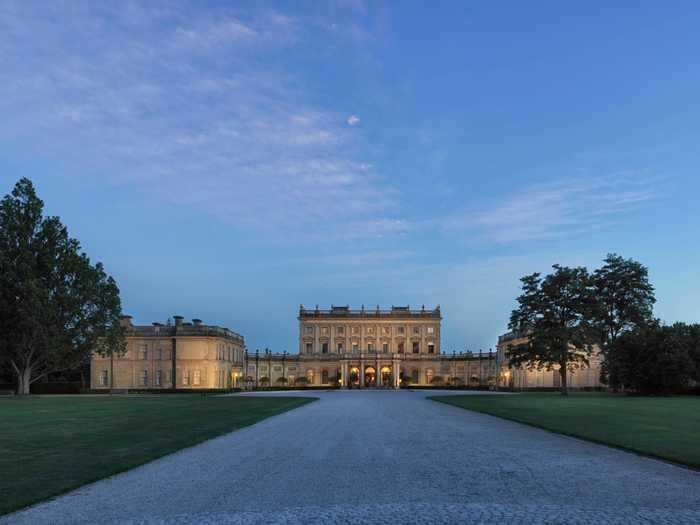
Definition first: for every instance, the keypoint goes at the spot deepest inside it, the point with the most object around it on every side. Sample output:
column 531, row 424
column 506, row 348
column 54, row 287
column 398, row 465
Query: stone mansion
column 338, row 347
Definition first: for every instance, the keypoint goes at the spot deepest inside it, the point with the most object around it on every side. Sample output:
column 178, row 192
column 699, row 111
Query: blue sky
column 230, row 161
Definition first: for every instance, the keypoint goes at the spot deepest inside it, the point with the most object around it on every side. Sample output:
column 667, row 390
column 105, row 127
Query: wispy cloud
column 559, row 209
column 185, row 106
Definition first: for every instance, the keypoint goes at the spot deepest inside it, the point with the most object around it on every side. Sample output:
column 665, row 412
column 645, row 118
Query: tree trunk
column 23, row 381
column 564, row 386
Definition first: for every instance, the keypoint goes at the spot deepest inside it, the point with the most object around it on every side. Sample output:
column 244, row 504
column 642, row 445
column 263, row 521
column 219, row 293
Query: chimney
column 178, row 320
column 197, row 322
column 125, row 321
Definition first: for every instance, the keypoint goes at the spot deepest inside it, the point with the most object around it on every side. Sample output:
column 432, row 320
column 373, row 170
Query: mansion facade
column 370, row 348
column 179, row 355
column 521, row 378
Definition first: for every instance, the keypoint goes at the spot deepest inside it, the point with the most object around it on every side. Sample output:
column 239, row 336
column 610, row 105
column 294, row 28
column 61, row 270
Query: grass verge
column 663, row 427
column 50, row 445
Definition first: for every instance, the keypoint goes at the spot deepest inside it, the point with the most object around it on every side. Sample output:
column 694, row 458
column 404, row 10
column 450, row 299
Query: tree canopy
column 56, row 307
column 555, row 312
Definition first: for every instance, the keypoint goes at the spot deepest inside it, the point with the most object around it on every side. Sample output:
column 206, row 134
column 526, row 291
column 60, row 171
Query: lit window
column 431, row 329
column 186, row 377
column 159, row 377
column 196, row 377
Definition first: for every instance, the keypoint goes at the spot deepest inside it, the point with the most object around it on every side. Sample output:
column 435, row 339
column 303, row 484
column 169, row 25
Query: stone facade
column 523, row 379
column 365, row 348
column 198, row 356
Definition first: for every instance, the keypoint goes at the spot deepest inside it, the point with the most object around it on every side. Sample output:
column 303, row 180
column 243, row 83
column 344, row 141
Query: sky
column 232, row 160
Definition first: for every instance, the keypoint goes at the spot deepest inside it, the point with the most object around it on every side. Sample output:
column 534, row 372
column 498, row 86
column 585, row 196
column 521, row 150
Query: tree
column 282, row 381
column 625, row 302
column 55, row 306
column 264, row 381
column 301, row 381
column 555, row 312
column 656, row 359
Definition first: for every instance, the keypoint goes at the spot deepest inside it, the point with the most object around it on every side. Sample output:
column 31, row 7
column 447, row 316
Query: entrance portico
column 369, row 372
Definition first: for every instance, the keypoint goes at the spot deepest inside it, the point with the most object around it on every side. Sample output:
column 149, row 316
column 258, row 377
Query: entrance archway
column 386, row 376
column 370, row 376
column 354, row 376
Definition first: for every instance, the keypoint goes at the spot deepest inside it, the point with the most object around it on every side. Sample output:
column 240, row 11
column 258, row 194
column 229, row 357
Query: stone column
column 344, row 373
column 396, row 373
column 362, row 373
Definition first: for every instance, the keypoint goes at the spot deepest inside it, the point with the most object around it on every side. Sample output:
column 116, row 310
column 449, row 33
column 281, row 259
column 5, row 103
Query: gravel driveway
column 386, row 457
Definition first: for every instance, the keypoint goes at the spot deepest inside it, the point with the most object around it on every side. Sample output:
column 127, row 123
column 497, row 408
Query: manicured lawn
column 663, row 427
column 49, row 445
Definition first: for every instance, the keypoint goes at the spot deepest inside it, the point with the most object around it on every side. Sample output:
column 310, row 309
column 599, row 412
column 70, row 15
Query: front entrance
column 386, row 376
column 370, row 376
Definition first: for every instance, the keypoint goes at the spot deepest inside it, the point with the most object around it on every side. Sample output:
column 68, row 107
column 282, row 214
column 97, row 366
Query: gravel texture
column 386, row 457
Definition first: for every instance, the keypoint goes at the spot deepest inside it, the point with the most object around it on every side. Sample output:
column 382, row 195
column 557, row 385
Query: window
column 159, row 354
column 339, row 348
column 414, row 375
column 144, row 378
column 324, row 330
column 370, row 347
column 308, row 329
column 309, row 348
column 416, row 330
column 385, row 348
column 355, row 329
column 401, row 330
column 144, row 352
column 277, row 368
column 104, row 377
column 431, row 348
column 159, row 377
column 196, row 377
column 186, row 377
column 401, row 348
column 370, row 330
column 324, row 377
column 355, row 348
column 386, row 330
column 340, row 330
column 416, row 347
column 324, row 348
column 431, row 329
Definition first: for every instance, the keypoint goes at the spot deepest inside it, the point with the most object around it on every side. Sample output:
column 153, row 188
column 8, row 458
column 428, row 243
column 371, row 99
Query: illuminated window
column 159, row 377
column 431, row 329
column 196, row 377
column 186, row 377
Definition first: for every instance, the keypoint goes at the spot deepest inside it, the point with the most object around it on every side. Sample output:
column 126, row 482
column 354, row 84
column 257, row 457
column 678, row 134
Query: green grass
column 662, row 427
column 49, row 445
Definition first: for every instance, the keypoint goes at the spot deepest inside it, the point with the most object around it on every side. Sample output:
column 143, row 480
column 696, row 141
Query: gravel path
column 386, row 457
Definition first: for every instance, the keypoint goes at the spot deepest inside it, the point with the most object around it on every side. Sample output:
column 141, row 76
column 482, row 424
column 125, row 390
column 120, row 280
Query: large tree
column 625, row 302
column 555, row 313
column 657, row 359
column 56, row 307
